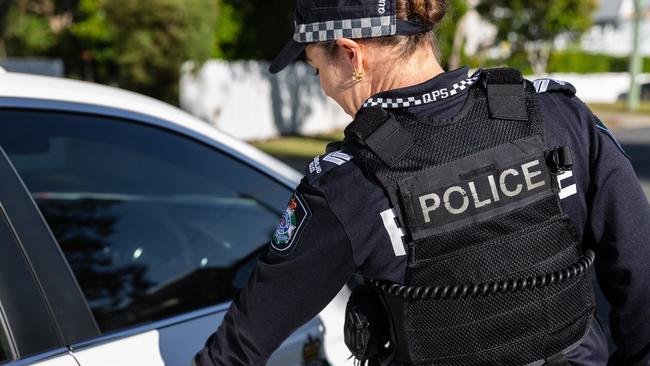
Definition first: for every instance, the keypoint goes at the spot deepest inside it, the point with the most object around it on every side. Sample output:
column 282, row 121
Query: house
column 612, row 32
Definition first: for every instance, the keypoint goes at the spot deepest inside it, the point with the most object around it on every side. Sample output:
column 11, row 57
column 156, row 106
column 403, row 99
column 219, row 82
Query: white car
column 126, row 226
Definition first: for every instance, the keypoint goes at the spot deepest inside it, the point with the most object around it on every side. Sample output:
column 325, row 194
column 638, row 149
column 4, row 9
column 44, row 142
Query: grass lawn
column 298, row 147
column 619, row 107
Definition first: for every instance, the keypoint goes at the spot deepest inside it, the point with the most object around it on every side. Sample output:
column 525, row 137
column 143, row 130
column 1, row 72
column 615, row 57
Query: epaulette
column 554, row 86
column 323, row 164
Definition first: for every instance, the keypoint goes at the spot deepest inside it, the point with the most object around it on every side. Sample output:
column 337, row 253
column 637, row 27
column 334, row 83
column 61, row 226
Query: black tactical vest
column 496, row 273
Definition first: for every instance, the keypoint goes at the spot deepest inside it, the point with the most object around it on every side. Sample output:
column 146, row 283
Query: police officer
column 474, row 206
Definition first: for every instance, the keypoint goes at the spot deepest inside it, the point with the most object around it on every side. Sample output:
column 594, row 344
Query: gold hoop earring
column 358, row 75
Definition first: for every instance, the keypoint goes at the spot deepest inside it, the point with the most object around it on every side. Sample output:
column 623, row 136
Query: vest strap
column 382, row 134
column 506, row 94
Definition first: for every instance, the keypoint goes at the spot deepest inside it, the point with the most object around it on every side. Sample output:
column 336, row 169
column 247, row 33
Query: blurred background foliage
column 137, row 45
column 253, row 29
column 531, row 27
column 446, row 31
column 140, row 45
column 561, row 61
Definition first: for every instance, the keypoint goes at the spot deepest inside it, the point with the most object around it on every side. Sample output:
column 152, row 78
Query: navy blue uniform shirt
column 336, row 224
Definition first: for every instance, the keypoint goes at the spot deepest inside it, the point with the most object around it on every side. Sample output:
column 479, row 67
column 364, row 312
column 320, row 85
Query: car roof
column 33, row 87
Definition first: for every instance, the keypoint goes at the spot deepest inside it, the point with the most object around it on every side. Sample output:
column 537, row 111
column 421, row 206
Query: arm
column 614, row 216
column 292, row 283
column 619, row 224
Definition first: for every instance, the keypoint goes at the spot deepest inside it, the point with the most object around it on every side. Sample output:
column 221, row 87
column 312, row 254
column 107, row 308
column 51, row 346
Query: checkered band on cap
column 348, row 28
column 406, row 102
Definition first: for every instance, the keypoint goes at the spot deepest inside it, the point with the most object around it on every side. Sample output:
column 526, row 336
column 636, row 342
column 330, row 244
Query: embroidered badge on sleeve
column 293, row 220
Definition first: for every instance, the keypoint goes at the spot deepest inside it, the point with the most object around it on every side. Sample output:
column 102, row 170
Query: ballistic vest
column 496, row 274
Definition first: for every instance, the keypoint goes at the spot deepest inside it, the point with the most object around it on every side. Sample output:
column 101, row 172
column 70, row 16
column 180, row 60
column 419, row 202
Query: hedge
column 565, row 62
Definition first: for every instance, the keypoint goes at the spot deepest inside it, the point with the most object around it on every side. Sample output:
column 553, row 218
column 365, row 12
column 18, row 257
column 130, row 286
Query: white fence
column 244, row 100
column 598, row 88
column 31, row 65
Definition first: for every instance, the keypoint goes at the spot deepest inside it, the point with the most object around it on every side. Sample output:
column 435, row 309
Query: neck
column 416, row 70
column 420, row 67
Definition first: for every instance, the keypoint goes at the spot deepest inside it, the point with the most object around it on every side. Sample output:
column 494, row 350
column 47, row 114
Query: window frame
column 95, row 111
column 40, row 290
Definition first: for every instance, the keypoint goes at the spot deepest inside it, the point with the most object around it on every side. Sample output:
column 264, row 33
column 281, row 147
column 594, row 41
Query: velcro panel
column 390, row 142
column 507, row 101
column 502, row 75
column 365, row 123
column 506, row 94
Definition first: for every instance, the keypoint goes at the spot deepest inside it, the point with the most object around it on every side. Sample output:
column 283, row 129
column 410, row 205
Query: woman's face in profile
column 335, row 75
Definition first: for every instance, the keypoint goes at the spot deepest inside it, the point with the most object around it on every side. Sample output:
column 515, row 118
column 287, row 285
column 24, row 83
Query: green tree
column 150, row 40
column 4, row 18
column 450, row 34
column 87, row 45
column 530, row 27
column 137, row 45
column 253, row 29
column 32, row 27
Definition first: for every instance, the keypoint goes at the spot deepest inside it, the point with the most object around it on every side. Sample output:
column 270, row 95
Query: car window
column 153, row 224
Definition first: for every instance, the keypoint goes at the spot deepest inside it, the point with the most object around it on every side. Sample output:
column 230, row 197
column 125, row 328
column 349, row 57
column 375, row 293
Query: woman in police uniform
column 475, row 207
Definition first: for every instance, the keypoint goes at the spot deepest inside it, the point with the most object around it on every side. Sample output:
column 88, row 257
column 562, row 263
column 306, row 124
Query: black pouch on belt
column 366, row 329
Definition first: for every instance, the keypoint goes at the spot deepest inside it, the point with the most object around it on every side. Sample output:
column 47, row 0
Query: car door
column 159, row 229
column 31, row 333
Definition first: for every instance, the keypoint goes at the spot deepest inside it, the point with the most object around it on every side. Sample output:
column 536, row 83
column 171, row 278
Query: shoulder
column 559, row 103
column 565, row 114
column 345, row 184
column 561, row 107
column 546, row 85
column 324, row 165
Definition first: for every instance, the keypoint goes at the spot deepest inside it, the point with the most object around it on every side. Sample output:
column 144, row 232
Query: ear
column 352, row 51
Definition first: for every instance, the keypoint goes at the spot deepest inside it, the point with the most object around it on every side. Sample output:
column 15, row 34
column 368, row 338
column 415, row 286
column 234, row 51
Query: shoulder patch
column 554, row 86
column 293, row 220
column 602, row 128
column 324, row 163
